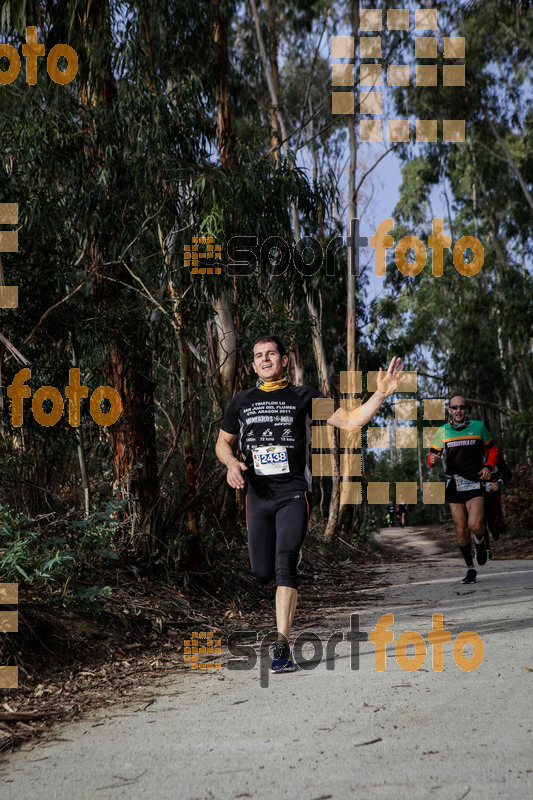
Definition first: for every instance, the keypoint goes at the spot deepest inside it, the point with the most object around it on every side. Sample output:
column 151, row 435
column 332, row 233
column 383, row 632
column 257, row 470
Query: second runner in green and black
column 471, row 455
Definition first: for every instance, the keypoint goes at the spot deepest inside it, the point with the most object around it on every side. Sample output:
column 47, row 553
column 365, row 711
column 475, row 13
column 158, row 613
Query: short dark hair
column 277, row 342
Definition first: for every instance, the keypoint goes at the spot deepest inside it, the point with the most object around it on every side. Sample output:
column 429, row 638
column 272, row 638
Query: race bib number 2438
column 271, row 460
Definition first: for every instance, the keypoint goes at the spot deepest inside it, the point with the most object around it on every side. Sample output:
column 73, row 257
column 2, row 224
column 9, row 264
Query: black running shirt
column 282, row 418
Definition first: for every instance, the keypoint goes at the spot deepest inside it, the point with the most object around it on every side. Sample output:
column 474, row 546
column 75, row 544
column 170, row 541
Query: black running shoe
column 481, row 552
column 282, row 660
column 470, row 576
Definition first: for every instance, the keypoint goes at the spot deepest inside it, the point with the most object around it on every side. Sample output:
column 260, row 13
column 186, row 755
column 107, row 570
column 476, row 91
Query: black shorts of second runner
column 276, row 530
column 451, row 495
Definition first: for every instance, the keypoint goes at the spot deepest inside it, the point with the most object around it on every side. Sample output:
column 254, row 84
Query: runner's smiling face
column 458, row 414
column 268, row 363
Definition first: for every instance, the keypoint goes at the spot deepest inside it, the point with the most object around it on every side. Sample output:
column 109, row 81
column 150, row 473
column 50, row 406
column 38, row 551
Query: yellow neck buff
column 272, row 386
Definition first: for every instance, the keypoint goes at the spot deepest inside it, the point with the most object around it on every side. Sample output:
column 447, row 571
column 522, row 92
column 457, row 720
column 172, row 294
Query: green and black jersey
column 465, row 448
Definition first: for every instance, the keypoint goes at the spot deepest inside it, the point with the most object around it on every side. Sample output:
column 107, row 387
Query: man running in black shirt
column 273, row 421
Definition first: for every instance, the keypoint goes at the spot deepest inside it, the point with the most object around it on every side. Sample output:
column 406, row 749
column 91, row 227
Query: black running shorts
column 276, row 530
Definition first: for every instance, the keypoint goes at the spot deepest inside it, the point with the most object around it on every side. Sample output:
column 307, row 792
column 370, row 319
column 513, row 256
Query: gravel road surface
column 324, row 733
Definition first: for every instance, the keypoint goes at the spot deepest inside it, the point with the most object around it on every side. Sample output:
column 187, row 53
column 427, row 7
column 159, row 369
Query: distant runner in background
column 390, row 514
column 471, row 455
column 401, row 510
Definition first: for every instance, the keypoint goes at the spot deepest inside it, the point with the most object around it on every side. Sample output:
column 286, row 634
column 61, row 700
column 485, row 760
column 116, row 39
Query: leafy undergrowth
column 73, row 659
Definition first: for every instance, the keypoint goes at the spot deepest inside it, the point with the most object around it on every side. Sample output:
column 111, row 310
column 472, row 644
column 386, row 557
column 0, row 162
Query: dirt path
column 330, row 730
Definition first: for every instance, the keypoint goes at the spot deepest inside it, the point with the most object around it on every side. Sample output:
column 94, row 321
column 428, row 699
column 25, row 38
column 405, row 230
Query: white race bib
column 271, row 460
column 462, row 485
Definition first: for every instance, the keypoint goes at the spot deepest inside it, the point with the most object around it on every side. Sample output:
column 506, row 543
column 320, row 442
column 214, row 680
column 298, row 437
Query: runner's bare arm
column 226, row 454
column 387, row 383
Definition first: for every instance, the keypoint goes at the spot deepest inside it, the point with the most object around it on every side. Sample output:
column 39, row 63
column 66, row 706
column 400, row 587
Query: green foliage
column 52, row 561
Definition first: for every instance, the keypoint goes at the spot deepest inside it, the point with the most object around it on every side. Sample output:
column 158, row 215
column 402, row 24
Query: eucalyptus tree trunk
column 132, row 437
column 351, row 277
column 225, row 135
column 191, row 523
column 226, row 343
column 225, row 328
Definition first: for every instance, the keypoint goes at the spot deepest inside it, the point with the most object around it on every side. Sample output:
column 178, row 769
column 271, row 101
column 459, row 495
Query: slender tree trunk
column 297, row 365
column 132, row 437
column 351, row 278
column 81, row 455
column 191, row 522
column 225, row 135
column 275, row 133
column 318, row 347
column 226, row 343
